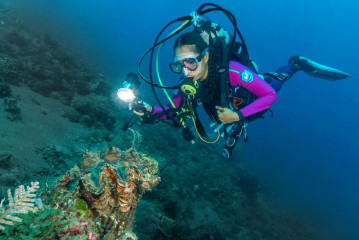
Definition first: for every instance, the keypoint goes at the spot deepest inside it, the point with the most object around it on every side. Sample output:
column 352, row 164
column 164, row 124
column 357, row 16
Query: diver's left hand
column 226, row 115
column 136, row 106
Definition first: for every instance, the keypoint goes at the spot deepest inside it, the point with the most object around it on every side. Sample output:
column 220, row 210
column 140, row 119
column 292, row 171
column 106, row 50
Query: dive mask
column 188, row 61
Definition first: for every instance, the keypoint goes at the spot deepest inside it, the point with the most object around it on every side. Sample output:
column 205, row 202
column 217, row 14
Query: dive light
column 126, row 92
column 129, row 93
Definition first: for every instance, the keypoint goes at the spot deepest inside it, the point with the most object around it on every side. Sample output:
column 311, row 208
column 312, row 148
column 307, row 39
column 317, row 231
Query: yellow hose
column 194, row 123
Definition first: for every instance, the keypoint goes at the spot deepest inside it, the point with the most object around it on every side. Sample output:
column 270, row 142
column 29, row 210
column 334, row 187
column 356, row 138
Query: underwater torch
column 129, row 92
column 129, row 89
column 126, row 93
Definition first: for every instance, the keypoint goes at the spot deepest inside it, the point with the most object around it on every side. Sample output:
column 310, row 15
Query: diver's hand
column 134, row 107
column 226, row 115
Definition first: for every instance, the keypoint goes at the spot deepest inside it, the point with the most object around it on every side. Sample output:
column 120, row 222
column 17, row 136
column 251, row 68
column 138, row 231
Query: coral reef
column 104, row 209
column 50, row 223
column 78, row 208
column 44, row 65
column 92, row 104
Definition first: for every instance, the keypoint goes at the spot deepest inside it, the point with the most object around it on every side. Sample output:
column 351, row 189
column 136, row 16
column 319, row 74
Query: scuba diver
column 229, row 89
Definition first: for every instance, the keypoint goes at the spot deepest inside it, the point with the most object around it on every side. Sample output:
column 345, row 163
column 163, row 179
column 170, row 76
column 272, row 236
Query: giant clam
column 90, row 160
column 111, row 202
column 112, row 154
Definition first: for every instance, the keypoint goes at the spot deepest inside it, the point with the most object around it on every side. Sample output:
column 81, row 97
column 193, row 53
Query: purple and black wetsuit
column 242, row 76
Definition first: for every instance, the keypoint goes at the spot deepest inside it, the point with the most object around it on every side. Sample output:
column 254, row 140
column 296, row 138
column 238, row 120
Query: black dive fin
column 317, row 70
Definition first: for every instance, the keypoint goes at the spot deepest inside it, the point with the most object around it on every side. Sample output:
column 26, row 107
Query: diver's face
column 187, row 51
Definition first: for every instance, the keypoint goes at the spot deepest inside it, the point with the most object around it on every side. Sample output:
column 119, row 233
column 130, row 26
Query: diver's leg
column 278, row 78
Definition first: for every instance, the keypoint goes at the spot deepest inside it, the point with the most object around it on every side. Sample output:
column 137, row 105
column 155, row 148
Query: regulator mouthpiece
column 189, row 86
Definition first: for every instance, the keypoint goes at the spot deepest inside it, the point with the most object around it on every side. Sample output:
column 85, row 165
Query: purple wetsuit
column 240, row 76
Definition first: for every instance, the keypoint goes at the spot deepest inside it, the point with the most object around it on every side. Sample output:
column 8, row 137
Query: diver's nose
column 185, row 72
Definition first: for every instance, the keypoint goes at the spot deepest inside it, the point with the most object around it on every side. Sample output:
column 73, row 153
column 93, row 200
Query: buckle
column 230, row 142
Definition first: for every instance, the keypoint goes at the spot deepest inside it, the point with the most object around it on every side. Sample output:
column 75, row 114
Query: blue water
column 308, row 152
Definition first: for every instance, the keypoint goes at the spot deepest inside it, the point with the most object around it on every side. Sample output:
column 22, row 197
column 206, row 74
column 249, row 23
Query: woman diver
column 248, row 95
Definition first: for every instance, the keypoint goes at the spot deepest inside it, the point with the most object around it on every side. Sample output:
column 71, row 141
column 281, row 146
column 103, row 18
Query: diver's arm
column 178, row 98
column 244, row 77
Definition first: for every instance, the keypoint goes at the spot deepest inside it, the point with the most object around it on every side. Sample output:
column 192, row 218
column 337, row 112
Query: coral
column 81, row 205
column 12, row 105
column 76, row 226
column 5, row 90
column 128, row 235
column 22, row 202
column 93, row 105
column 48, row 68
column 72, row 115
column 75, row 207
column 52, row 223
column 95, row 109
column 8, row 69
column 111, row 203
